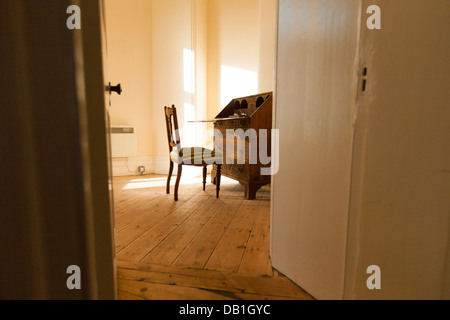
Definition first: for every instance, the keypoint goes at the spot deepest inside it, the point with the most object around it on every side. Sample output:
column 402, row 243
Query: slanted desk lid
column 217, row 119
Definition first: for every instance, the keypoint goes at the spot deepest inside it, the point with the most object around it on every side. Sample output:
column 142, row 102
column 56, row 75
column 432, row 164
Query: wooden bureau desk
column 252, row 112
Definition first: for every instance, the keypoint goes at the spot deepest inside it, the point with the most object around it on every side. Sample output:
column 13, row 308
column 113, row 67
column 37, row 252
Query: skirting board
column 157, row 165
column 130, row 166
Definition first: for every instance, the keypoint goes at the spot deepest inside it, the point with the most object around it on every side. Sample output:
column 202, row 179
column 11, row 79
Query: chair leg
column 178, row 181
column 205, row 171
column 218, row 175
column 169, row 177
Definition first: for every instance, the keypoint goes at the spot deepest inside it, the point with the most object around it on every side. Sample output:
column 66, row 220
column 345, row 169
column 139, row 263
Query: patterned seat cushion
column 195, row 156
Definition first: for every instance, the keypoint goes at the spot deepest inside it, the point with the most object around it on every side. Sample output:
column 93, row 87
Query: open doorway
column 199, row 247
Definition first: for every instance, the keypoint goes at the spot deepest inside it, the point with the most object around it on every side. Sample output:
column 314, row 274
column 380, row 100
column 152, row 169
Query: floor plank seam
column 237, row 210
column 138, row 208
column 178, row 226
column 127, row 203
column 149, row 230
column 190, row 241
column 132, row 294
column 218, row 209
column 146, row 214
column 226, row 293
column 174, row 284
column 249, row 235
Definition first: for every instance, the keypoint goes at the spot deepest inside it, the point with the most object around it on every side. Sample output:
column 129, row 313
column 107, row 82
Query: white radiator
column 123, row 141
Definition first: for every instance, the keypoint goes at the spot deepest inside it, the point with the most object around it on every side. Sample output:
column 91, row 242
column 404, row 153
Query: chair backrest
column 173, row 136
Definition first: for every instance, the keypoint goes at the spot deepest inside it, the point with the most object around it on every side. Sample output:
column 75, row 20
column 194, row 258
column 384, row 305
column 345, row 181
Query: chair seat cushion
column 195, row 156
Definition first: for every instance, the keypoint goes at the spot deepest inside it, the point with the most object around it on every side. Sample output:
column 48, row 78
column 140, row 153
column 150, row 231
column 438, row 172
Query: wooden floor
column 199, row 248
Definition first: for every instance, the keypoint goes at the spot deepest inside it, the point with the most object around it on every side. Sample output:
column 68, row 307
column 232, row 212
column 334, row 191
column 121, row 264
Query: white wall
column 129, row 33
column 179, row 72
column 233, row 51
column 314, row 110
column 267, row 22
column 401, row 183
column 241, row 49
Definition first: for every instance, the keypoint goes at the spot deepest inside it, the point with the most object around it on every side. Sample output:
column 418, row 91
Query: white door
column 315, row 96
column 97, row 95
column 108, row 90
column 55, row 200
column 363, row 176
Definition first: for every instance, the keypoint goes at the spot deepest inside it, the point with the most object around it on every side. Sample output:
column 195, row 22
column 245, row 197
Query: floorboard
column 198, row 248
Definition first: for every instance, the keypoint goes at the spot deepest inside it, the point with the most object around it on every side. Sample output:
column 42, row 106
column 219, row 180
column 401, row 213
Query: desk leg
column 250, row 191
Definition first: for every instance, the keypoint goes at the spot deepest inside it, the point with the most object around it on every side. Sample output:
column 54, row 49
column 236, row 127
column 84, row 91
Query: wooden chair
column 192, row 156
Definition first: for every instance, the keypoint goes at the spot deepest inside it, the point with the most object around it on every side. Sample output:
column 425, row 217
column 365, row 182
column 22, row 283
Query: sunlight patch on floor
column 145, row 182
